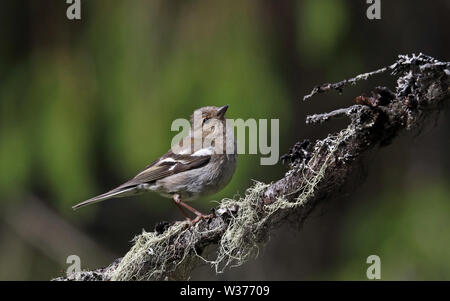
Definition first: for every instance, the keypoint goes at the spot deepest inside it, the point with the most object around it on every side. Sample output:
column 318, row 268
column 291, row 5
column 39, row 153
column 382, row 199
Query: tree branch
column 317, row 172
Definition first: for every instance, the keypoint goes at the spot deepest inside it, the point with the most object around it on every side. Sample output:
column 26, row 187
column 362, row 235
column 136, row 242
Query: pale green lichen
column 156, row 256
column 151, row 255
column 242, row 237
column 239, row 241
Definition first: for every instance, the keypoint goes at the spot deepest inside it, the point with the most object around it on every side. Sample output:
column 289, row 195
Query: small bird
column 200, row 164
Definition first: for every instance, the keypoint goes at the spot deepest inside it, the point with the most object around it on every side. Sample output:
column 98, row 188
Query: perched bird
column 202, row 163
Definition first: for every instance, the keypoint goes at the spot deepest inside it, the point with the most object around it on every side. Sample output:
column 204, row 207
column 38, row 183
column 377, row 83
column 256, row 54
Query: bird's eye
column 206, row 119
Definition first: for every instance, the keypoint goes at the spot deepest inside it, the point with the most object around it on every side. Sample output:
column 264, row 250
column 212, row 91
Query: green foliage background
column 86, row 104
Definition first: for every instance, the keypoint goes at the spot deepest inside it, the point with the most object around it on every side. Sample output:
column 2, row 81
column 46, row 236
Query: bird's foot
column 199, row 218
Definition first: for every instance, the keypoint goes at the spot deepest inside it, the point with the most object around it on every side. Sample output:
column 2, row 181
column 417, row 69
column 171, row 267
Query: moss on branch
column 317, row 172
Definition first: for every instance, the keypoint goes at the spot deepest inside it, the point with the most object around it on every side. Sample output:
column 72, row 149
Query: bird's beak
column 221, row 111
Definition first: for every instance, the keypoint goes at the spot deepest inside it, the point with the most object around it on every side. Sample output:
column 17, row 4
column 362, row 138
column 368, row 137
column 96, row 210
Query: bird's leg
column 179, row 203
column 181, row 208
column 177, row 199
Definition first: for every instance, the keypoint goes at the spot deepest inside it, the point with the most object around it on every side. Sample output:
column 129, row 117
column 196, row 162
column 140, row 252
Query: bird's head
column 207, row 118
column 209, row 128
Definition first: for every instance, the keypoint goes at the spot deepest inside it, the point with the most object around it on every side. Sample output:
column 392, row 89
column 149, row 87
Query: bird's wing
column 167, row 165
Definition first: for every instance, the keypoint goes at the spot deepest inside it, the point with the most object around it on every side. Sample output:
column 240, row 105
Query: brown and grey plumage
column 187, row 173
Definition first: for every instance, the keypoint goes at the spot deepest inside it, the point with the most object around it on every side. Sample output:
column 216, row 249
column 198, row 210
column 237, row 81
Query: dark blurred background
column 86, row 104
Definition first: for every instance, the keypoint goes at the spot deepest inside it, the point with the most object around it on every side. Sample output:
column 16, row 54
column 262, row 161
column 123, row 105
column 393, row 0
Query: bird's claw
column 200, row 217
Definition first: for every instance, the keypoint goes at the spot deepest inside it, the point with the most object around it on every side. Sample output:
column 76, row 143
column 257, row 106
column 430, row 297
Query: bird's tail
column 115, row 193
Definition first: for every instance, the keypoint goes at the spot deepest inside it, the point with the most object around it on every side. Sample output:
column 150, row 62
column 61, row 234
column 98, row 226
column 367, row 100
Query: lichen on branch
column 317, row 172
